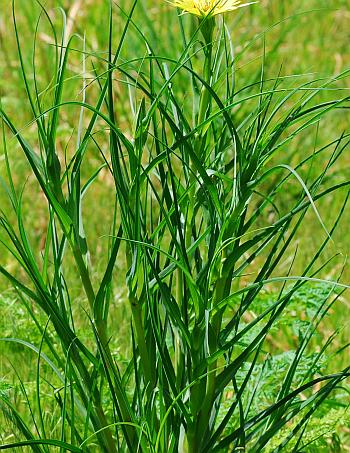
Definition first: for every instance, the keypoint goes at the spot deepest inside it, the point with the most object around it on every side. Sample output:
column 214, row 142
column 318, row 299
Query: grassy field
column 182, row 291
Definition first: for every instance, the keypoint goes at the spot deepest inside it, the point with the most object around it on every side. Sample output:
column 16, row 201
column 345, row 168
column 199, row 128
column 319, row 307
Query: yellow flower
column 205, row 7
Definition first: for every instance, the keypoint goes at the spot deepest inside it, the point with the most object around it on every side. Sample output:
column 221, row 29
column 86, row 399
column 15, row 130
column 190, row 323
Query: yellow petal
column 205, row 7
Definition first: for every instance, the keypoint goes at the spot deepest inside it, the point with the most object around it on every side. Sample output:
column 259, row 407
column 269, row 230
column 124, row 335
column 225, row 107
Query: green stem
column 178, row 351
column 201, row 407
column 205, row 95
column 99, row 413
column 204, row 106
column 136, row 310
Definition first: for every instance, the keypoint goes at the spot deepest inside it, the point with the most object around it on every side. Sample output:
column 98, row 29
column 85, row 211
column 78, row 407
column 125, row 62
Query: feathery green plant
column 206, row 211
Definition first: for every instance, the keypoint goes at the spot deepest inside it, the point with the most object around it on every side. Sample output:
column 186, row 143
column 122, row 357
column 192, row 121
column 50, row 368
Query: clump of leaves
column 200, row 219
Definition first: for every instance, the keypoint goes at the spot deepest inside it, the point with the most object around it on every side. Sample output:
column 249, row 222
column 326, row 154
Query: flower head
column 205, row 7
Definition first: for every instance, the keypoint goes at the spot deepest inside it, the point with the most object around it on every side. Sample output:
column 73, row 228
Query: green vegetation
column 174, row 227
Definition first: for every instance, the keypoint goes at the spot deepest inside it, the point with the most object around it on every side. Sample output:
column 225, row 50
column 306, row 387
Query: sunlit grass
column 167, row 208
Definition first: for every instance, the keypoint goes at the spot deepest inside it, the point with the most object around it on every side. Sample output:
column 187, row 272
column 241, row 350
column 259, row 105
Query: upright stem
column 136, row 310
column 197, row 390
column 99, row 412
column 205, row 95
column 204, row 105
column 178, row 351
